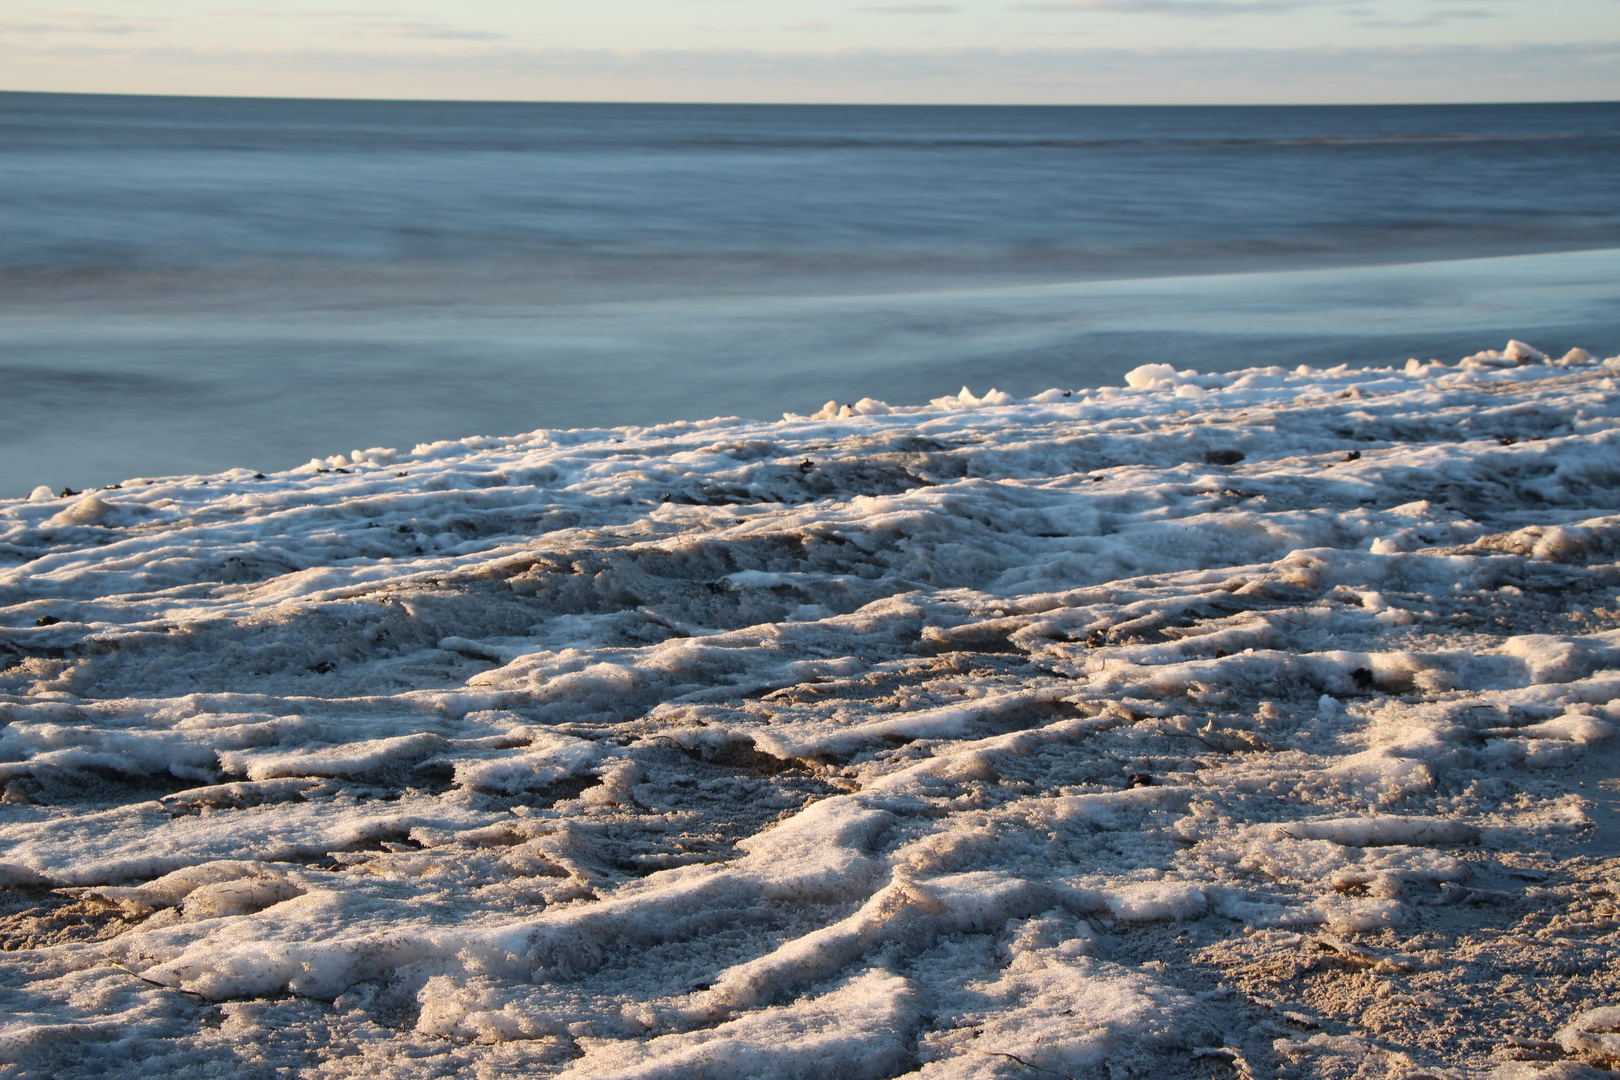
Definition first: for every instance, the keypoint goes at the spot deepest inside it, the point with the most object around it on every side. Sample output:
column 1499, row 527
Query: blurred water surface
column 194, row 284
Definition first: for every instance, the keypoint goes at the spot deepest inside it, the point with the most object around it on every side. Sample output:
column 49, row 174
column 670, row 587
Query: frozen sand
column 1246, row 724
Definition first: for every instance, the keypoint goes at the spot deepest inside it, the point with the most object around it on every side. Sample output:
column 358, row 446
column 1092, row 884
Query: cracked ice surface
column 1251, row 724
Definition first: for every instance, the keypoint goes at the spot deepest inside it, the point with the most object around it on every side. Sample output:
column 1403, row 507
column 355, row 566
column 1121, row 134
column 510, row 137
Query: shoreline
column 288, row 382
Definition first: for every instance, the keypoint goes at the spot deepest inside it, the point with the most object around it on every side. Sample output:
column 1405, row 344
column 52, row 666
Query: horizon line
column 820, row 104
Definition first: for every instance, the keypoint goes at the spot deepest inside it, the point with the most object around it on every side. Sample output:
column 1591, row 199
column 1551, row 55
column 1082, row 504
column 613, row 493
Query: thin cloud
column 1197, row 9
column 79, row 21
column 438, row 32
column 426, row 31
column 913, row 9
column 327, row 13
column 1433, row 18
column 372, row 21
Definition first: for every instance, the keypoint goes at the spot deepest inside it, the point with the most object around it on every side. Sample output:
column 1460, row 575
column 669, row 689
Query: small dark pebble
column 46, row 620
column 1222, row 457
column 67, row 492
column 1507, row 440
column 344, row 471
column 324, row 667
column 323, row 470
column 402, row 474
column 258, row 476
column 1068, row 393
column 1140, row 779
column 113, row 487
column 1354, row 455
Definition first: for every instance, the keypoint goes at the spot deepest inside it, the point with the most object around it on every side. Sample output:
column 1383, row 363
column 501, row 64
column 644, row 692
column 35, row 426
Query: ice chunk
column 14, row 875
column 242, row 896
column 222, row 887
column 1067, row 1015
column 87, row 511
column 1157, row 901
column 858, row 1031
column 967, row 400
column 548, row 759
column 1379, row 831
column 1151, row 377
column 350, row 759
column 1520, row 353
column 1595, row 1032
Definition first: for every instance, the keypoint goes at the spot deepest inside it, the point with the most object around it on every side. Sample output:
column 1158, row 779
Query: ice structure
column 1248, row 724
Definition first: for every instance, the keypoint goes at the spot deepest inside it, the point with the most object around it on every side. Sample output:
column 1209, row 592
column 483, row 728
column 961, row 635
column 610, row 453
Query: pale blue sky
column 1037, row 51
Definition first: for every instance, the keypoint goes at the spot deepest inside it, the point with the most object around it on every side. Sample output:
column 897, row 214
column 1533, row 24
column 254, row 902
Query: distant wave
column 1154, row 143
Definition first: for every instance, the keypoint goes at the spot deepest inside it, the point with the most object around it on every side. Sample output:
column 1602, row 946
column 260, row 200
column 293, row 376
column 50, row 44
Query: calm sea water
column 196, row 284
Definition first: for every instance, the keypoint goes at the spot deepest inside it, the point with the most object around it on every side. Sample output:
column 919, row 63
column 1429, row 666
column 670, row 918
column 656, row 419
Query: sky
column 836, row 51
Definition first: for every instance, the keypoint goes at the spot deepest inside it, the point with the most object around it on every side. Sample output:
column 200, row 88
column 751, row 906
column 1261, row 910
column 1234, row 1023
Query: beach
column 1250, row 722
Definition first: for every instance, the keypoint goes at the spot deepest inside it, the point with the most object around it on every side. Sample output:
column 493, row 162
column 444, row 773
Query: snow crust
column 943, row 741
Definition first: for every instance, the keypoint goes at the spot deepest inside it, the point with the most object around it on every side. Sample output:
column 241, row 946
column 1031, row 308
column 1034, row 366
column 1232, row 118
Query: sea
column 189, row 285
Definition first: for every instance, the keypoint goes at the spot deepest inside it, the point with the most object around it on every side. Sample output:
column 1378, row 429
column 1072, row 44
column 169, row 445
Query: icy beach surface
column 1249, row 724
